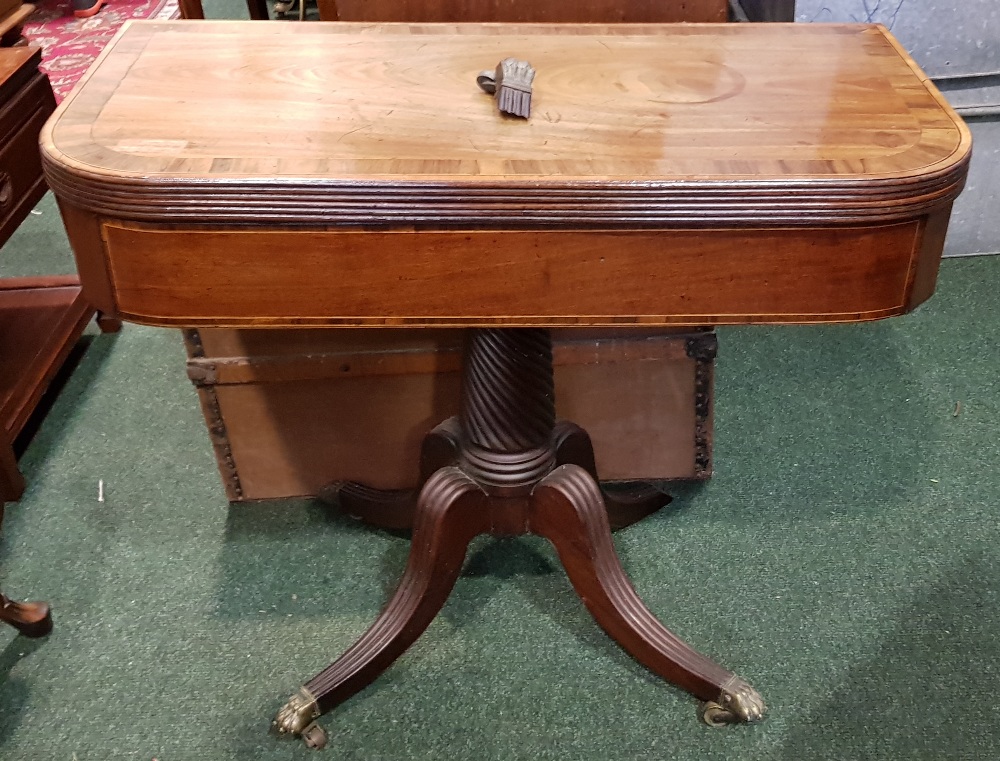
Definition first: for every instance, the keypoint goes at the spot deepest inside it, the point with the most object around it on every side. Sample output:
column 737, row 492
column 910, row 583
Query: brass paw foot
column 298, row 717
column 738, row 703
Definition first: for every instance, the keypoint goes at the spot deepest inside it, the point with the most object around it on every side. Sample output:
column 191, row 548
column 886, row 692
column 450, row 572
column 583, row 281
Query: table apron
column 285, row 277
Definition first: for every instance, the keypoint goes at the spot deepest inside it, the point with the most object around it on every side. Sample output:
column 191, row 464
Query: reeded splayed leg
column 507, row 468
column 449, row 513
column 567, row 508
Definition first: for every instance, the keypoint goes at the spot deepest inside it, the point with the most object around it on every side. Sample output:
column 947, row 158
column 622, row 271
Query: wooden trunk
column 289, row 411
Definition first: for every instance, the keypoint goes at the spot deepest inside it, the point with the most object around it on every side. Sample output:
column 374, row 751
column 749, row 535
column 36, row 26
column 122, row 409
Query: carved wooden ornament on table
column 511, row 85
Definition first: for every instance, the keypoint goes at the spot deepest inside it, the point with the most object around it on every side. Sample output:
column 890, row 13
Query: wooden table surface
column 243, row 174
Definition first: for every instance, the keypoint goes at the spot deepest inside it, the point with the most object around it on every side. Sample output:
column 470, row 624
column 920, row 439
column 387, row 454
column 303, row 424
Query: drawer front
column 685, row 277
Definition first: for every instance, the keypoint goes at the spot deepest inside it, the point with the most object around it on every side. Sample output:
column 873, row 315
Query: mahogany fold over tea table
column 267, row 175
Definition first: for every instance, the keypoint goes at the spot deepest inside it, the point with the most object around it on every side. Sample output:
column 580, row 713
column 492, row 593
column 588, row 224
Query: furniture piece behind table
column 12, row 18
column 41, row 318
column 767, row 10
column 7, row 7
column 193, row 9
column 526, row 11
column 26, row 100
column 552, row 11
column 290, row 411
column 670, row 175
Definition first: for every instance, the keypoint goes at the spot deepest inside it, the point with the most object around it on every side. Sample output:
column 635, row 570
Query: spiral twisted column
column 508, row 408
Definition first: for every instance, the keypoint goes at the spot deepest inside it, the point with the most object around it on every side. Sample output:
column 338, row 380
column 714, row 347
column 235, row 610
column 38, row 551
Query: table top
column 253, row 174
column 383, row 124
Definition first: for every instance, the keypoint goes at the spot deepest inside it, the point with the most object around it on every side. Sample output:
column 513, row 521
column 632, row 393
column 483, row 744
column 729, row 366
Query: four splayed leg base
column 506, row 467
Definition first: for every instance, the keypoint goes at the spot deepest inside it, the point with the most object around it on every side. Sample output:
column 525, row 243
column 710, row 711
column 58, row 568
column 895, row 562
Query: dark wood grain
column 394, row 508
column 623, row 504
column 85, row 237
column 791, row 180
column 659, row 277
column 26, row 101
column 191, row 9
column 42, row 319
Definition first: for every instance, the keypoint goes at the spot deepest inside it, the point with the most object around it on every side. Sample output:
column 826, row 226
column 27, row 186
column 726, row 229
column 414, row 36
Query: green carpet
column 843, row 559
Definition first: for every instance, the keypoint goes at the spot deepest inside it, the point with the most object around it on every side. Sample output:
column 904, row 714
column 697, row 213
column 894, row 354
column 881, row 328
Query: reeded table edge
column 511, row 206
column 449, row 202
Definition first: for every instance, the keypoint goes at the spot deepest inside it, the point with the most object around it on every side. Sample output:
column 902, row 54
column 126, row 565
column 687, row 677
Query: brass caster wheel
column 738, row 703
column 715, row 715
column 314, row 736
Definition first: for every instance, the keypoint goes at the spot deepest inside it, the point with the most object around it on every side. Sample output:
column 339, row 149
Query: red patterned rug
column 70, row 44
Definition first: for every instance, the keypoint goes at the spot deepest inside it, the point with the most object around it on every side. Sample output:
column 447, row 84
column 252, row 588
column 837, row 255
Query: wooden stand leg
column 108, row 324
column 568, row 510
column 11, row 480
column 191, row 9
column 506, row 468
column 450, row 512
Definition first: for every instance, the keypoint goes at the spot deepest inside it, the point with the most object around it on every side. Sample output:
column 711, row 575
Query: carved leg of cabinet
column 450, row 512
column 108, row 324
column 11, row 480
column 32, row 619
column 394, row 508
column 567, row 509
